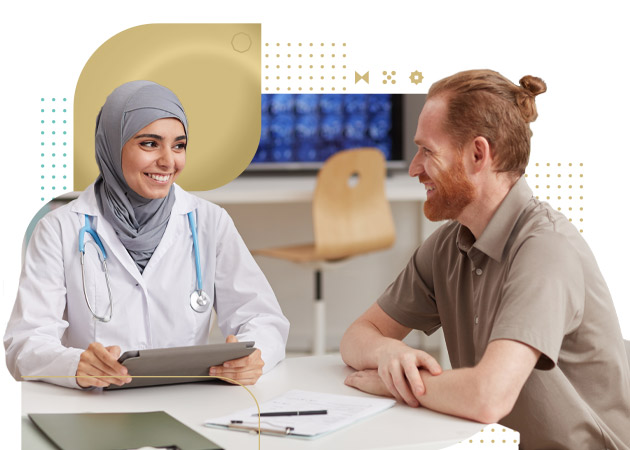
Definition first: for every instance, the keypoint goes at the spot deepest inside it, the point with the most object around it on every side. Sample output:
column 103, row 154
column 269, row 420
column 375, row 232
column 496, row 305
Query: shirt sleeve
column 245, row 303
column 33, row 338
column 410, row 299
column 543, row 297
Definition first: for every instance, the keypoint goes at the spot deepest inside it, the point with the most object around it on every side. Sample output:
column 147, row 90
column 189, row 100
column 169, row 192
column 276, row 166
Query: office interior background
column 350, row 287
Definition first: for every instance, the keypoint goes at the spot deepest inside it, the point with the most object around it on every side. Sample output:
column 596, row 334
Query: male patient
column 530, row 326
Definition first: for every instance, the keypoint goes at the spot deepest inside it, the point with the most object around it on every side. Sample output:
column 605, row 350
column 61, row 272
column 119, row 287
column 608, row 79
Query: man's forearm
column 358, row 344
column 368, row 336
column 487, row 392
column 461, row 393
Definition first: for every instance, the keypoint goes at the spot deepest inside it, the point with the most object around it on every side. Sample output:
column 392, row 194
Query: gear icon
column 416, row 77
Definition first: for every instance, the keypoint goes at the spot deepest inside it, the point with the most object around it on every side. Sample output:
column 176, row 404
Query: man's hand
column 100, row 361
column 368, row 381
column 374, row 341
column 245, row 370
column 398, row 368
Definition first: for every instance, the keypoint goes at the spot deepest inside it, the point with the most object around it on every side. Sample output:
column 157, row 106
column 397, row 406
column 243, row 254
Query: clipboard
column 106, row 431
column 192, row 361
column 341, row 411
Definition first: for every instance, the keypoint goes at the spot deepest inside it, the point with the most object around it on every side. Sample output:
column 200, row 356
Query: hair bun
column 530, row 87
column 533, row 85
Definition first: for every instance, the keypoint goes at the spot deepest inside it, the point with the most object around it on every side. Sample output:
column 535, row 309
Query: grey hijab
column 139, row 222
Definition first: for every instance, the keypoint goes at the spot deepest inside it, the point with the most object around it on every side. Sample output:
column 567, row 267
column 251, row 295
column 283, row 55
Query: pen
column 293, row 413
column 239, row 425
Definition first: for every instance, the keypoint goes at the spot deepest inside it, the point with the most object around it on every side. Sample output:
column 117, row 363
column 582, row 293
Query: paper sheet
column 343, row 410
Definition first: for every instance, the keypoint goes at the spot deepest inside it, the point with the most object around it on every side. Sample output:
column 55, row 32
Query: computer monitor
column 300, row 131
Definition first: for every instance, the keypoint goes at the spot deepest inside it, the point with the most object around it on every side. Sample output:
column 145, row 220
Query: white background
column 578, row 48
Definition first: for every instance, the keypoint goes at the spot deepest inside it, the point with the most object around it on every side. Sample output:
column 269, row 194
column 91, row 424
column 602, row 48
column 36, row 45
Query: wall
column 349, row 289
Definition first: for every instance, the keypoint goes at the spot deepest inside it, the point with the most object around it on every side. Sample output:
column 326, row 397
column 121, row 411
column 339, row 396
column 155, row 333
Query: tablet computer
column 171, row 363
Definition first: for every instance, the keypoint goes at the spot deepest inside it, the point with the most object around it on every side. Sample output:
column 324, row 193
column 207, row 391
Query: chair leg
column 319, row 317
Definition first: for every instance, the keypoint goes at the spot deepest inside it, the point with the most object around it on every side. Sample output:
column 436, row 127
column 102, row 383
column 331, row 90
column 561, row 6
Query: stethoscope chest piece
column 199, row 301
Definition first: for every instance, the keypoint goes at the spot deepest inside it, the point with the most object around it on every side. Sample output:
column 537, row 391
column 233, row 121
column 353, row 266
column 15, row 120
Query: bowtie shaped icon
column 365, row 77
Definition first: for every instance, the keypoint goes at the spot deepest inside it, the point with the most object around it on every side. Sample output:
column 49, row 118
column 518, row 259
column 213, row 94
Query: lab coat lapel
column 107, row 233
column 86, row 204
column 165, row 244
column 177, row 223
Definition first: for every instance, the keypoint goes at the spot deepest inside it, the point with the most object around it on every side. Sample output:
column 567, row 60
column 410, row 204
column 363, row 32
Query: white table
column 400, row 427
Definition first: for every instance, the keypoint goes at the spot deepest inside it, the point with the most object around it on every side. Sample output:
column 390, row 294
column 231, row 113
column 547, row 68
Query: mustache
column 423, row 179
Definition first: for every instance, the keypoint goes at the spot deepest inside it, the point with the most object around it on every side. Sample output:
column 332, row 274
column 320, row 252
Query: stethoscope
column 199, row 300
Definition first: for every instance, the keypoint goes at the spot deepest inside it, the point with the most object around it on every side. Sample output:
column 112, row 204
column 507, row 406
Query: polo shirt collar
column 496, row 234
column 465, row 239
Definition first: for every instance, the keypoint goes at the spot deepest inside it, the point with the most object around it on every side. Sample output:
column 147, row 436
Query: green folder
column 117, row 431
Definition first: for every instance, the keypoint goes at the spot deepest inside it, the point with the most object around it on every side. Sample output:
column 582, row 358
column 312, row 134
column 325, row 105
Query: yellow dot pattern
column 561, row 184
column 492, row 436
column 305, row 67
column 389, row 77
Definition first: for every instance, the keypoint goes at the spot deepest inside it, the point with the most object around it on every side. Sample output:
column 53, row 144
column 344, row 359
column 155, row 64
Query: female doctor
column 161, row 282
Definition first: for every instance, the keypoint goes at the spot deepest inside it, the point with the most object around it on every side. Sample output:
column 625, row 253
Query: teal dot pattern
column 55, row 161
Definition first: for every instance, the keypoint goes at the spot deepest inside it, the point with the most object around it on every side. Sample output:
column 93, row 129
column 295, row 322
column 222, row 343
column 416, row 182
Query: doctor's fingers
column 114, row 350
column 104, row 358
column 245, row 370
column 87, row 376
column 97, row 358
column 86, row 381
column 86, row 369
column 238, row 371
column 242, row 376
column 254, row 359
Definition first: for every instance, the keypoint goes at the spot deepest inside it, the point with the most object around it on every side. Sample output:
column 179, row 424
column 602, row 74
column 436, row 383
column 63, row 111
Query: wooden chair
column 351, row 216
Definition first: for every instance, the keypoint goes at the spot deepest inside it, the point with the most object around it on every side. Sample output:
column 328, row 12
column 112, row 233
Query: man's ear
column 481, row 156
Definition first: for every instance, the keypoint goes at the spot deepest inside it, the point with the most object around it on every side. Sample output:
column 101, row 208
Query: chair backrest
column 351, row 214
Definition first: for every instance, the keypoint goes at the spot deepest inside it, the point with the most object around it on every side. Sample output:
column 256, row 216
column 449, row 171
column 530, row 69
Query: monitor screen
column 300, row 131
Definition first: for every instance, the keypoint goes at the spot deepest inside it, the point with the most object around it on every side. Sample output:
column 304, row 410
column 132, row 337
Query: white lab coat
column 51, row 324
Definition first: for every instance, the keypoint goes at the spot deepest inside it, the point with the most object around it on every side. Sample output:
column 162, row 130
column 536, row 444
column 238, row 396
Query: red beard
column 453, row 193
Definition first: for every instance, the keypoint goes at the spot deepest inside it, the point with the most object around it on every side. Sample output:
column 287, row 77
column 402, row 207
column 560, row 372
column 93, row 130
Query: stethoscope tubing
column 193, row 229
column 199, row 299
column 87, row 228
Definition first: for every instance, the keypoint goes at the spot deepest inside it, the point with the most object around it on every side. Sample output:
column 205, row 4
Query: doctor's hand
column 99, row 360
column 245, row 370
column 399, row 370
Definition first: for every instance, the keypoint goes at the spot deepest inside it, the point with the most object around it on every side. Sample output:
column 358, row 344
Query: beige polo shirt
column 532, row 278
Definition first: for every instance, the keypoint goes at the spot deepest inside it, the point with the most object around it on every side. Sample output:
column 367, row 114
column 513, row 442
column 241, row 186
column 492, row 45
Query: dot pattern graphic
column 560, row 184
column 305, row 67
column 54, row 149
column 388, row 77
column 492, row 436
